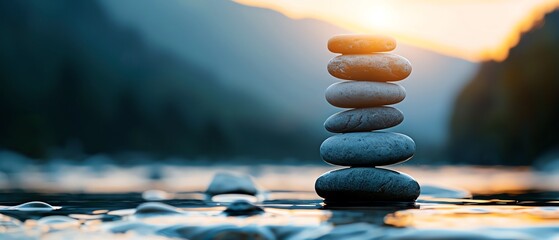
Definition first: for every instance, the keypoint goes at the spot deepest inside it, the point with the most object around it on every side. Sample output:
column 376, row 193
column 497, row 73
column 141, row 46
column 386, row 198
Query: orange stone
column 376, row 67
column 361, row 43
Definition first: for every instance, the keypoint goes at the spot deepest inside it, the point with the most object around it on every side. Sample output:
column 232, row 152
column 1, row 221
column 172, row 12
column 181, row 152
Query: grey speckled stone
column 364, row 119
column 367, row 149
column 353, row 94
column 366, row 185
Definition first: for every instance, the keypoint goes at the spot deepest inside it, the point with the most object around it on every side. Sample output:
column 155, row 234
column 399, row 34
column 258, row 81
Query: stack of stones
column 359, row 145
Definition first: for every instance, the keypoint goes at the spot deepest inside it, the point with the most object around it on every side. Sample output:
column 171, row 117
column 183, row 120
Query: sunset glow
column 471, row 29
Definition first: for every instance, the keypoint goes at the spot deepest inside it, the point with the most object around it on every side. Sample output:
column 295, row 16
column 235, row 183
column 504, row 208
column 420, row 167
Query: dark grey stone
column 242, row 208
column 367, row 149
column 364, row 119
column 361, row 184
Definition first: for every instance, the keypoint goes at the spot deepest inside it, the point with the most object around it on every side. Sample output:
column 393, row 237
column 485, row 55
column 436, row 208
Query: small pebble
column 225, row 183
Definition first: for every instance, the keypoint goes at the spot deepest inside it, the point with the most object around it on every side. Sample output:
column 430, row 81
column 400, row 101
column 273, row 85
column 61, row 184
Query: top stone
column 361, row 43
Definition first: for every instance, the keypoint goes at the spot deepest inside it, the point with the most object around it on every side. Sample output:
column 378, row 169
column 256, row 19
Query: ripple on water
column 58, row 222
column 431, row 191
column 473, row 217
column 224, row 231
column 9, row 224
column 155, row 209
column 34, row 206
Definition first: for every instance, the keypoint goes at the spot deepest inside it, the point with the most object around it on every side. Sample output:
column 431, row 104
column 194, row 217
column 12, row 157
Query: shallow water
column 511, row 203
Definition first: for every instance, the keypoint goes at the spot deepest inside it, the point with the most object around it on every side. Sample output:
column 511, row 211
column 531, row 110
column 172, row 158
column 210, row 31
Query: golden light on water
column 476, row 30
column 472, row 217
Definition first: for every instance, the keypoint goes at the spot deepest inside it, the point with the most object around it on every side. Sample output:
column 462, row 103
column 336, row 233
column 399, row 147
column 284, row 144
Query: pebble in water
column 370, row 70
column 242, row 208
column 225, row 183
column 364, row 119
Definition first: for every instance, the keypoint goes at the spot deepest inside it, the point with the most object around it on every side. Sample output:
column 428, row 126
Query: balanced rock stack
column 369, row 69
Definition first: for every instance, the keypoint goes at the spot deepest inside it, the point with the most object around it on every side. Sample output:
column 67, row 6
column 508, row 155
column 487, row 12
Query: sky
column 476, row 30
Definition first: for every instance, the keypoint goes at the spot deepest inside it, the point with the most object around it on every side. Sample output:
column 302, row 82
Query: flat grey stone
column 356, row 94
column 359, row 184
column 364, row 119
column 367, row 149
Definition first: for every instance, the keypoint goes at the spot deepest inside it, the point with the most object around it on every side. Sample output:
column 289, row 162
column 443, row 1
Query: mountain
column 282, row 61
column 508, row 113
column 73, row 80
column 186, row 78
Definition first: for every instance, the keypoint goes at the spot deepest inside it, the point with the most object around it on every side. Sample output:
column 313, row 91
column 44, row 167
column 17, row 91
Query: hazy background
column 220, row 81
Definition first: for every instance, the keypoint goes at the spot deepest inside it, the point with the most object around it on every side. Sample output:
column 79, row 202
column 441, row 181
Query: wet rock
column 224, row 183
column 366, row 185
column 242, row 208
column 352, row 94
column 367, row 149
column 361, row 43
column 378, row 67
column 364, row 119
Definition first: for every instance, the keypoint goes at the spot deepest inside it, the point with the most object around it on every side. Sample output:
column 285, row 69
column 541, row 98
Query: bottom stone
column 360, row 184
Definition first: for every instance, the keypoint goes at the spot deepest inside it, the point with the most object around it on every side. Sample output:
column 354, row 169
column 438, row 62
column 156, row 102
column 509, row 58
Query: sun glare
column 379, row 17
column 470, row 29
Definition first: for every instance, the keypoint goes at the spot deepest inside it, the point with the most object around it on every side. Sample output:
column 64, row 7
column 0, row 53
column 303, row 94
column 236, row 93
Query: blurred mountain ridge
column 282, row 62
column 69, row 75
column 509, row 112
column 189, row 79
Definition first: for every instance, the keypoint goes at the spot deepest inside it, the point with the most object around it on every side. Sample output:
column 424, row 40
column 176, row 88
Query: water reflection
column 446, row 216
column 440, row 213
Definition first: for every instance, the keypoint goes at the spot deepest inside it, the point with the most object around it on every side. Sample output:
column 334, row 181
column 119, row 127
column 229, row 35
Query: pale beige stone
column 361, row 43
